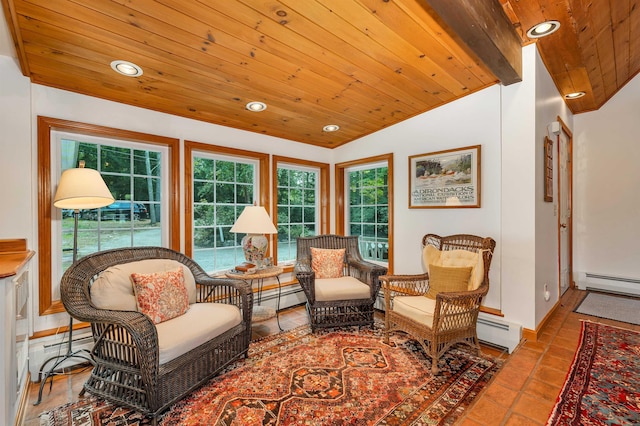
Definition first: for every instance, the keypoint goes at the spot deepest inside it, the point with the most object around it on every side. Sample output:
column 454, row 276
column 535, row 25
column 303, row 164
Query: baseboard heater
column 40, row 352
column 612, row 278
column 62, row 346
column 499, row 333
column 612, row 284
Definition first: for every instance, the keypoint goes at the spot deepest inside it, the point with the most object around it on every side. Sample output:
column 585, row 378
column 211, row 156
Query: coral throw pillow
column 161, row 295
column 446, row 279
column 327, row 263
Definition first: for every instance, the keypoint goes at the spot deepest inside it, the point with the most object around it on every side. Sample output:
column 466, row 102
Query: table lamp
column 255, row 222
column 78, row 189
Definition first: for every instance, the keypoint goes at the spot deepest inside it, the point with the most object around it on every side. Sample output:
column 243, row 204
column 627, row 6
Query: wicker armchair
column 454, row 314
column 332, row 313
column 128, row 369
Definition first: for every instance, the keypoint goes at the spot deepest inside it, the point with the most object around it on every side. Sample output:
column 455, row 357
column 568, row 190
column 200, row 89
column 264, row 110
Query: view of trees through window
column 369, row 211
column 134, row 178
column 222, row 188
column 298, row 208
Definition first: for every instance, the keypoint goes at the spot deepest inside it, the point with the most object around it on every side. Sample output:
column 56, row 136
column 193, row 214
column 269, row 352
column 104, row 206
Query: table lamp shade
column 82, row 188
column 255, row 222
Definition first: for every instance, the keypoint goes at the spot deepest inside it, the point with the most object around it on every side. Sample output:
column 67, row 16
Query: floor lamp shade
column 255, row 222
column 82, row 188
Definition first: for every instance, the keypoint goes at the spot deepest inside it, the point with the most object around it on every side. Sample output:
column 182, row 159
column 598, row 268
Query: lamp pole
column 79, row 188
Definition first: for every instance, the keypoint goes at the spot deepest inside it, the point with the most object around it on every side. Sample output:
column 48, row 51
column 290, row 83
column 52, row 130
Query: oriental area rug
column 331, row 377
column 603, row 383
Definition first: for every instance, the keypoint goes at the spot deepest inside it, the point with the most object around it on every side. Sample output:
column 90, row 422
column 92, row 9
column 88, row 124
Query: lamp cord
column 79, row 354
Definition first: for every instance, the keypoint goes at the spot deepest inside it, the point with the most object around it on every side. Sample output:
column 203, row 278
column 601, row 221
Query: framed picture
column 548, row 169
column 445, row 179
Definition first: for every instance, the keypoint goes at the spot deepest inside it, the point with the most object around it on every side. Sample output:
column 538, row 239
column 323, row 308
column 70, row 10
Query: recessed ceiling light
column 256, row 106
column 126, row 68
column 543, row 29
column 331, row 128
column 574, row 95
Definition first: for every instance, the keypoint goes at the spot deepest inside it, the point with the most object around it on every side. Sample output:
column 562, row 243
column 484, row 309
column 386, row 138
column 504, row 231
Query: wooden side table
column 262, row 313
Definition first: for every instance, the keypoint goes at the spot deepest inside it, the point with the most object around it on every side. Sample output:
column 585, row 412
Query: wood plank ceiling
column 361, row 64
column 596, row 50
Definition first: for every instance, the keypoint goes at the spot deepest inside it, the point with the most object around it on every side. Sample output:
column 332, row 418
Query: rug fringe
column 45, row 419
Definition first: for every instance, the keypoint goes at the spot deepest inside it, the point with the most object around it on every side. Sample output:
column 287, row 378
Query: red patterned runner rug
column 332, row 377
column 603, row 383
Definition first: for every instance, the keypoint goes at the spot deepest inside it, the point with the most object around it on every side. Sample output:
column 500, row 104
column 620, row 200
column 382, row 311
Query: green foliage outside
column 369, row 210
column 297, row 208
column 222, row 189
column 131, row 175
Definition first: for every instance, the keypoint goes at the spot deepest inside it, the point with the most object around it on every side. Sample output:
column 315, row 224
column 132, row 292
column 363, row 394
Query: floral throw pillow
column 161, row 295
column 327, row 263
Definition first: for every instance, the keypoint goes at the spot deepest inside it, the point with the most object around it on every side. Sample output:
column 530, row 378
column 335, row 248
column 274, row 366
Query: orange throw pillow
column 444, row 279
column 327, row 263
column 161, row 295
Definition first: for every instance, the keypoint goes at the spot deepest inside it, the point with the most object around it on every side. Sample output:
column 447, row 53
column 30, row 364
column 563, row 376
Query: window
column 364, row 191
column 368, row 212
column 221, row 182
column 301, row 203
column 140, row 171
column 136, row 175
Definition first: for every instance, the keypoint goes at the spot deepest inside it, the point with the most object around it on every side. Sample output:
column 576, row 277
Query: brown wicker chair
column 455, row 313
column 127, row 369
column 332, row 313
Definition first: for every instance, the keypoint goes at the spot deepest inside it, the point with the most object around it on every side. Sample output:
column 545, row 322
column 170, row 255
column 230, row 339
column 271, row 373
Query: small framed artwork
column 548, row 169
column 445, row 179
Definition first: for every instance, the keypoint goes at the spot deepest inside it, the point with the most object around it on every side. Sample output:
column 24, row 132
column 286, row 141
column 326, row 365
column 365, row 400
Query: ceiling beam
column 483, row 26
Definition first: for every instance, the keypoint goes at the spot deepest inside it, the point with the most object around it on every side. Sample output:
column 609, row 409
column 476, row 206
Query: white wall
column 16, row 171
column 508, row 123
column 518, row 187
column 472, row 120
column 607, row 193
column 549, row 105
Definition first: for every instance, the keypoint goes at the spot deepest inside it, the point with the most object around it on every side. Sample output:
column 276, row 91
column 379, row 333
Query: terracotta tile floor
column 525, row 390
column 522, row 393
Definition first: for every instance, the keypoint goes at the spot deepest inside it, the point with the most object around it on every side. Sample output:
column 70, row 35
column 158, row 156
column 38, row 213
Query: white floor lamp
column 78, row 189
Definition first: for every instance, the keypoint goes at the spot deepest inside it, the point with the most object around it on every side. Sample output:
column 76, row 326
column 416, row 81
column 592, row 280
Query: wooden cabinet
column 14, row 326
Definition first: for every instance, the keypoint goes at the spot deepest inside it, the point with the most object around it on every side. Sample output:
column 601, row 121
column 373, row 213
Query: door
column 565, row 261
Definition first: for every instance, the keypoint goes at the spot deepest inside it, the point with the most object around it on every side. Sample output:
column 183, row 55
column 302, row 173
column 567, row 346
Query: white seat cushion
column 418, row 308
column 201, row 323
column 113, row 289
column 343, row 288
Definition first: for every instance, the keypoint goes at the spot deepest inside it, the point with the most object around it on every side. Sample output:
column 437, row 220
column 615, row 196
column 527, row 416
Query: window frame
column 46, row 125
column 191, row 147
column 342, row 203
column 58, row 138
column 323, row 192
